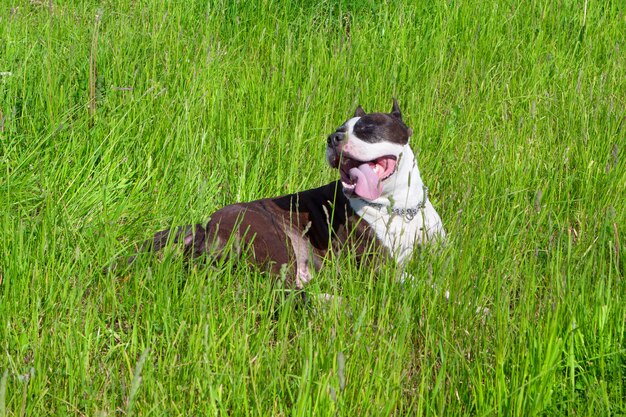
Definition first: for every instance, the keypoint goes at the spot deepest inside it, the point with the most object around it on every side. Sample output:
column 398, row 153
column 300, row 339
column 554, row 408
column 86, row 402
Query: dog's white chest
column 401, row 233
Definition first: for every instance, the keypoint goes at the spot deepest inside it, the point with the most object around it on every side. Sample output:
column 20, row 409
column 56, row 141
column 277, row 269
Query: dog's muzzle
column 334, row 142
column 334, row 139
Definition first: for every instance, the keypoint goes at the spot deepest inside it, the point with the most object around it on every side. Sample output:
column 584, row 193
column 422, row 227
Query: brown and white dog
column 379, row 206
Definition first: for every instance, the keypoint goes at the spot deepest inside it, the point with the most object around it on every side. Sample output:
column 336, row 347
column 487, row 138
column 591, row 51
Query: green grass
column 519, row 116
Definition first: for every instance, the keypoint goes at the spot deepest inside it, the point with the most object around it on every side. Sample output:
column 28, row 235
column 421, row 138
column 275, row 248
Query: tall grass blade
column 136, row 382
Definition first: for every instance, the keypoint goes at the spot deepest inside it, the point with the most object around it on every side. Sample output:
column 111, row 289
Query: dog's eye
column 364, row 128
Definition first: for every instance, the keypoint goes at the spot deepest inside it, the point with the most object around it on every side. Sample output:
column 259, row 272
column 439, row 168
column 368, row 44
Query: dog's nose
column 336, row 138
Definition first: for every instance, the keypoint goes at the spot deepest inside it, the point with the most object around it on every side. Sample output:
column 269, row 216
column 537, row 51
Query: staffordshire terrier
column 379, row 206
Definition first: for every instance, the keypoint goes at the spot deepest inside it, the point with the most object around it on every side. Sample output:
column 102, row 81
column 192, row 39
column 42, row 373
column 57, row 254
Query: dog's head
column 366, row 150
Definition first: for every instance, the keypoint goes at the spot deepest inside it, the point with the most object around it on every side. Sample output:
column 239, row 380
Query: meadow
column 119, row 118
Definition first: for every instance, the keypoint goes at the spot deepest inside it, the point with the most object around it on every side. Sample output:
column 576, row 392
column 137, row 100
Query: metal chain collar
column 408, row 213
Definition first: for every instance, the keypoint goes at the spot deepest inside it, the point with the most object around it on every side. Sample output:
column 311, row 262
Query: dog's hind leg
column 193, row 238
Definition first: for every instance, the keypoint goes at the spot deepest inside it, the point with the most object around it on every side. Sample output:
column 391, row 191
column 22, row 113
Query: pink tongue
column 366, row 182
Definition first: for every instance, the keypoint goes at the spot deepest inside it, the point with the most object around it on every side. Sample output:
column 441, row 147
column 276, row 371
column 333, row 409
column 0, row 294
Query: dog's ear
column 359, row 112
column 395, row 110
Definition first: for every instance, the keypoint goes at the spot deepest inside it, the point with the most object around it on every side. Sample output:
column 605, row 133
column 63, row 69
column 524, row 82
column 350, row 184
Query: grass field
column 120, row 118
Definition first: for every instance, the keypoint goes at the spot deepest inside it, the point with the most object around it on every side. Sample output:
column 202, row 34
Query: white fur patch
column 397, row 234
column 404, row 189
column 301, row 251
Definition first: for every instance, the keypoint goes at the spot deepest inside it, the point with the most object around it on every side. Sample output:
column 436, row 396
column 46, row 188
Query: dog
column 379, row 206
